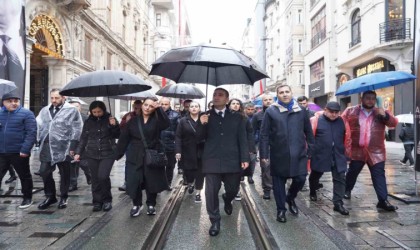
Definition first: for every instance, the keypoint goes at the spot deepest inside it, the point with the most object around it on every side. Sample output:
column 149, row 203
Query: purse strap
column 191, row 126
column 141, row 133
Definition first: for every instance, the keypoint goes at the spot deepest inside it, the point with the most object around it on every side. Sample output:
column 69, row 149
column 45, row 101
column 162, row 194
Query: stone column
column 57, row 72
column 29, row 43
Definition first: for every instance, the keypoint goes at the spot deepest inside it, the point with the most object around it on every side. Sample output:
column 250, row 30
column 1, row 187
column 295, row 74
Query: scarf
column 288, row 106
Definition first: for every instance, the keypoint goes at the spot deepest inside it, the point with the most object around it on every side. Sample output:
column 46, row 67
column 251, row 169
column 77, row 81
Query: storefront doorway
column 38, row 82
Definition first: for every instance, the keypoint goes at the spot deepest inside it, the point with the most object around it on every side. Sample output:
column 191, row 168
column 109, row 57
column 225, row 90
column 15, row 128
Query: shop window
column 355, row 28
column 317, row 71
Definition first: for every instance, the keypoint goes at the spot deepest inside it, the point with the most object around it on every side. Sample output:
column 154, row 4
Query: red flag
column 261, row 87
column 163, row 82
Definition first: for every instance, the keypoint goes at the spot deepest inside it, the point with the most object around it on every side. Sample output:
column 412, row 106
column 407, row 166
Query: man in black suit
column 12, row 51
column 225, row 153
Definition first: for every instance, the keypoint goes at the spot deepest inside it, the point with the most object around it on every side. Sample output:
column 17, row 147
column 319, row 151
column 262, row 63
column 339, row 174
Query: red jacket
column 374, row 152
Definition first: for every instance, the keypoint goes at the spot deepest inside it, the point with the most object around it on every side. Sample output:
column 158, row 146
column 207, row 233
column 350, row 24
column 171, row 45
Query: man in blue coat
column 328, row 154
column 17, row 136
column 285, row 141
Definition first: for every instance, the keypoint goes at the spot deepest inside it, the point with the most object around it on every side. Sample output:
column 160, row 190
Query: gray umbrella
column 205, row 63
column 181, row 90
column 6, row 87
column 136, row 96
column 105, row 83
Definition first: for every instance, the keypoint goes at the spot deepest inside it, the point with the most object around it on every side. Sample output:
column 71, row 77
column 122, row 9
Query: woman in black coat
column 97, row 145
column 236, row 105
column 189, row 149
column 153, row 120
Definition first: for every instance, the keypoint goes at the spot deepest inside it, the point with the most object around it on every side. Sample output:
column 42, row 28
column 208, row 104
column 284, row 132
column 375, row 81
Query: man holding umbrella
column 225, row 153
column 367, row 131
column 60, row 126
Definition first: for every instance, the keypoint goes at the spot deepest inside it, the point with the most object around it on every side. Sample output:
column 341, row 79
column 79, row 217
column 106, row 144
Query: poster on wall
column 417, row 82
column 12, row 44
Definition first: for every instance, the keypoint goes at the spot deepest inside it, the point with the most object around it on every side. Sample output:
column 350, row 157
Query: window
column 109, row 60
column 301, row 77
column 300, row 46
column 299, row 17
column 108, row 12
column 158, row 19
column 88, row 48
column 317, row 71
column 355, row 28
column 318, row 24
column 395, row 9
column 124, row 27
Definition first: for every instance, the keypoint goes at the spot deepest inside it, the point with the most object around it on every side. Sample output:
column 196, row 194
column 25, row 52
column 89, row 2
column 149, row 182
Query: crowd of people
column 220, row 145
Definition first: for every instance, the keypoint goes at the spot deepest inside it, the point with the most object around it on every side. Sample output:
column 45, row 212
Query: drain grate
column 41, row 212
column 46, row 235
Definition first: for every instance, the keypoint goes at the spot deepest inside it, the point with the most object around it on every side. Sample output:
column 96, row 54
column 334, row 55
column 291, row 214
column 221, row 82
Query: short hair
column 187, row 101
column 281, row 86
column 369, row 92
column 224, row 90
column 55, row 90
column 302, row 98
column 137, row 102
column 165, row 98
column 249, row 105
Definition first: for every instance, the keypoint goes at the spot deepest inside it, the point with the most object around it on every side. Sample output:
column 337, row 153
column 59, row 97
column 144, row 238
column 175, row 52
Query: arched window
column 355, row 28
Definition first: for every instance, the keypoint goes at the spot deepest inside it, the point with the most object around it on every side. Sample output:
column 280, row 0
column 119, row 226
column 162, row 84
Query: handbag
column 153, row 158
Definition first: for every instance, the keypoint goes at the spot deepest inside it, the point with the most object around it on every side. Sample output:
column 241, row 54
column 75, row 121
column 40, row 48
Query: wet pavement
column 316, row 227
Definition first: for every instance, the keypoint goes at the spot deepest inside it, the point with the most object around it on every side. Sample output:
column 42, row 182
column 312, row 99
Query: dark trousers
column 101, row 182
column 339, row 184
column 74, row 171
column 21, row 165
column 150, row 198
column 279, row 189
column 377, row 173
column 266, row 179
column 195, row 175
column 231, row 182
column 407, row 156
column 46, row 171
column 169, row 169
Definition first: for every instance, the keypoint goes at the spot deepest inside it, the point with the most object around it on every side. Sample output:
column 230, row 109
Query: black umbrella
column 105, row 83
column 181, row 90
column 136, row 96
column 209, row 64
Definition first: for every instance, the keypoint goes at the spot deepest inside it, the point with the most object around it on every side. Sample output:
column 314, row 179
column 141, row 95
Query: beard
column 365, row 106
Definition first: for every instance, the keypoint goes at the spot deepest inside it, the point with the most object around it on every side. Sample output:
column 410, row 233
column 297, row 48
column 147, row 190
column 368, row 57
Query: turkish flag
column 163, row 82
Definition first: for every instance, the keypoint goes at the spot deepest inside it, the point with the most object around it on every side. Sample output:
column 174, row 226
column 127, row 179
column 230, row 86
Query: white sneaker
column 25, row 203
column 135, row 211
column 402, row 163
column 238, row 197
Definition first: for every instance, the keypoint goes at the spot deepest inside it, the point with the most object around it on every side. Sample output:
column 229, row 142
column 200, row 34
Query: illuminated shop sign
column 378, row 65
column 46, row 32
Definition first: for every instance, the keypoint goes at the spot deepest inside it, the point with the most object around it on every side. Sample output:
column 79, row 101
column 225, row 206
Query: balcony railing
column 317, row 38
column 397, row 29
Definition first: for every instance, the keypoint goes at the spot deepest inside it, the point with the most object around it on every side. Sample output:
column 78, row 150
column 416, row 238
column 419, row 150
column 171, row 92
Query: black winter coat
column 187, row 143
column 131, row 143
column 226, row 144
column 329, row 143
column 167, row 136
column 98, row 138
column 285, row 137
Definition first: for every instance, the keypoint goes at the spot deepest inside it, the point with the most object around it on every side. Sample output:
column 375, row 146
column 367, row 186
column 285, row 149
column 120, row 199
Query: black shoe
column 292, row 207
column 47, row 202
column 151, row 210
column 191, row 189
column 313, row 197
column 135, row 211
column 27, row 202
column 228, row 205
column 347, row 195
column 250, row 180
column 107, row 206
column 385, row 205
column 169, row 188
column 319, row 186
column 266, row 195
column 37, row 173
column 281, row 216
column 341, row 209
column 184, row 182
column 215, row 228
column 88, row 179
column 10, row 180
column 72, row 188
column 122, row 188
column 63, row 203
column 97, row 207
column 197, row 198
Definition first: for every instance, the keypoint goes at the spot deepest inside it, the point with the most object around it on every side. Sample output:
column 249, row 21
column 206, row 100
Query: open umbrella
column 374, row 81
column 76, row 99
column 135, row 96
column 181, row 90
column 6, row 87
column 104, row 83
column 314, row 107
column 405, row 118
column 209, row 64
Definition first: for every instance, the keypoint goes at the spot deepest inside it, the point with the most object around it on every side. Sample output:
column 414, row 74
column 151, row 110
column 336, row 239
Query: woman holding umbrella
column 236, row 105
column 152, row 120
column 97, row 144
column 188, row 150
